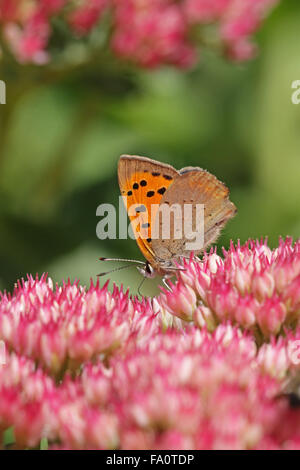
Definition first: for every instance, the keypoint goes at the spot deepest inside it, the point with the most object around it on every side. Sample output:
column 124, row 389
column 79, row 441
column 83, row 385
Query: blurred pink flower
column 152, row 32
column 27, row 401
column 86, row 14
column 205, row 11
column 179, row 391
column 192, row 391
column 149, row 33
column 27, row 28
column 240, row 21
column 8, row 10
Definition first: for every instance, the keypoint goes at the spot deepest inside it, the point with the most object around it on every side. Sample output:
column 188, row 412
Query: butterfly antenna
column 122, row 259
column 116, row 269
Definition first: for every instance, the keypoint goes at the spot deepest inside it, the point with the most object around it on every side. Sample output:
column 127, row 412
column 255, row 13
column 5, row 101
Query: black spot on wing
column 162, row 190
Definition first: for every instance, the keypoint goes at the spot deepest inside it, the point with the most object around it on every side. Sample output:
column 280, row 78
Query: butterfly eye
column 149, row 270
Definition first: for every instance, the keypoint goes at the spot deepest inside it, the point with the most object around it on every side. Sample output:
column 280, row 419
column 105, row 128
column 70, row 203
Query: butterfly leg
column 164, row 280
column 140, row 285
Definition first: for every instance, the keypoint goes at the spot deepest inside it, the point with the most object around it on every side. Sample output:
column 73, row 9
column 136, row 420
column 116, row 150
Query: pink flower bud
column 271, row 315
column 203, row 317
column 263, row 285
column 181, row 301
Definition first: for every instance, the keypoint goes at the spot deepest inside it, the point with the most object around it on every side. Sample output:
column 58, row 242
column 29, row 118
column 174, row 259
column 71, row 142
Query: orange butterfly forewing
column 143, row 183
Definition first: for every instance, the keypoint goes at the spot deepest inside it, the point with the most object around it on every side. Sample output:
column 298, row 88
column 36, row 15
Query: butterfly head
column 147, row 270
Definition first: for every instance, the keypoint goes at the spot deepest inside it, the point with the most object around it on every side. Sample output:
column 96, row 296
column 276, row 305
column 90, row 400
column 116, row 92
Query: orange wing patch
column 142, row 194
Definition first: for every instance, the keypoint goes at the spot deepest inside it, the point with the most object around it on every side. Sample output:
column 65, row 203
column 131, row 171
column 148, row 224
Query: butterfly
column 147, row 186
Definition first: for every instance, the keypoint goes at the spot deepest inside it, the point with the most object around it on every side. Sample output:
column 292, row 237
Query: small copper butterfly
column 146, row 183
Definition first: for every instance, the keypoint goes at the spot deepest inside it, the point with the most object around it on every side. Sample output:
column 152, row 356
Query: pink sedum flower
column 271, row 315
column 152, row 32
column 63, row 326
column 206, row 11
column 183, row 391
column 148, row 33
column 27, row 401
column 86, row 15
column 253, row 286
column 27, row 29
column 201, row 366
column 180, row 301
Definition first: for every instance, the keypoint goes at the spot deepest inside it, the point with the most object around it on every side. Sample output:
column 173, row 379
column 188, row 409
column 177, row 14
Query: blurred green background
column 64, row 127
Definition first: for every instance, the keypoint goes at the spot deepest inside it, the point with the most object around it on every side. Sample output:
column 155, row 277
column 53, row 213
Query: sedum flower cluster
column 148, row 33
column 201, row 366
